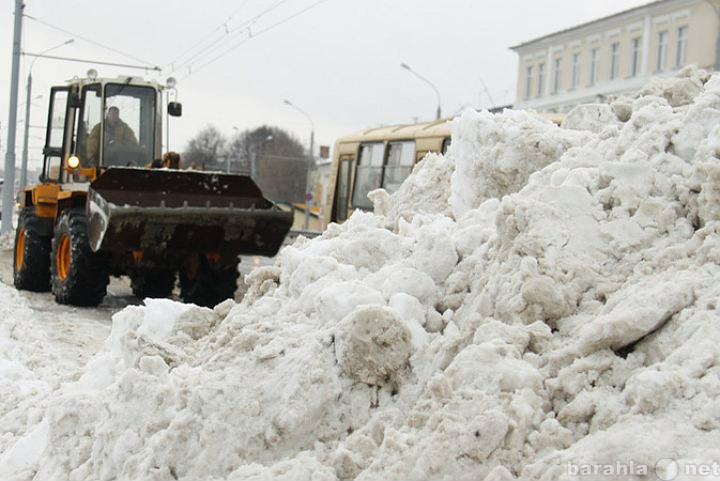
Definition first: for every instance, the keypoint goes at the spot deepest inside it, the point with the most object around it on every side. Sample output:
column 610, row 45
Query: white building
column 616, row 54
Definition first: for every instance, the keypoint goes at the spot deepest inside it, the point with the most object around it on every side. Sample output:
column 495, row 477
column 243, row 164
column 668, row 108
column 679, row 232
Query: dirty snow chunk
column 493, row 367
column 336, row 301
column 371, row 248
column 408, row 307
column 308, row 299
column 648, row 391
column 159, row 318
column 592, row 117
column 18, row 462
column 631, row 317
column 224, row 308
column 419, row 335
column 475, row 228
column 372, row 345
column 408, row 280
column 680, row 89
column 495, row 154
column 197, row 322
column 425, row 191
column 435, row 252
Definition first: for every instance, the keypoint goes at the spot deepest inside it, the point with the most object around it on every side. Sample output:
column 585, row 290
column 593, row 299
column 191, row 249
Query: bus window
column 400, row 160
column 446, row 145
column 368, row 174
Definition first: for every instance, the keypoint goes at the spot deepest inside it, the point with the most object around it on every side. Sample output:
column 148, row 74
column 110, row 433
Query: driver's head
column 113, row 115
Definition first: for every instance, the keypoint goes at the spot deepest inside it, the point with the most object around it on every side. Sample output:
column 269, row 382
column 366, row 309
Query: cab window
column 55, row 136
column 91, row 116
column 128, row 126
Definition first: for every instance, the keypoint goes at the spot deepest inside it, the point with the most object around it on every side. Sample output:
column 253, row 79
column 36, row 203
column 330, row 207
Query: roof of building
column 598, row 20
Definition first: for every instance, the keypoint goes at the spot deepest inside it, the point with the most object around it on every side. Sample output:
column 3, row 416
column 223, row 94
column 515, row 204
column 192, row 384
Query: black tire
column 79, row 275
column 31, row 262
column 208, row 284
column 155, row 283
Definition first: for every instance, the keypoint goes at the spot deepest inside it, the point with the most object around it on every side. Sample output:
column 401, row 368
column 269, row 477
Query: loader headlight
column 73, row 162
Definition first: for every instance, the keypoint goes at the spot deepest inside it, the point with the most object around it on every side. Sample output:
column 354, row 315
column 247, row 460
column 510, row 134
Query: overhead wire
column 254, row 35
column 199, row 44
column 93, row 42
column 229, row 35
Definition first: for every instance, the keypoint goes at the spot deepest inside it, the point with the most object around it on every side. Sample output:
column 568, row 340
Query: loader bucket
column 178, row 212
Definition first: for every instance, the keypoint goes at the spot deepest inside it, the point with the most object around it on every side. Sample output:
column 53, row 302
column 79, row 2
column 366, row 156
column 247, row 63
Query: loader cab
column 104, row 123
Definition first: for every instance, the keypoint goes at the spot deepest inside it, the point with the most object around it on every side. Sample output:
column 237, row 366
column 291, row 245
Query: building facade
column 616, row 54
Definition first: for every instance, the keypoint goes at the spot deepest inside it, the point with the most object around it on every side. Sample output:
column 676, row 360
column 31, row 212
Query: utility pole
column 8, row 194
column 26, row 136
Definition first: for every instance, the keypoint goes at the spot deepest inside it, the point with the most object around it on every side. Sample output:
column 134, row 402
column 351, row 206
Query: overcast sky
column 339, row 60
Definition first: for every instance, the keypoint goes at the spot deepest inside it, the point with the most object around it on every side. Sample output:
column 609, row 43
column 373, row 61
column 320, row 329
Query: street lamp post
column 308, row 194
column 312, row 126
column 23, row 168
column 438, row 112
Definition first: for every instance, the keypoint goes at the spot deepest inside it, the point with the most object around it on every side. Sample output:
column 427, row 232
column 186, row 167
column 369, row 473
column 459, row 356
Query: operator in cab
column 118, row 137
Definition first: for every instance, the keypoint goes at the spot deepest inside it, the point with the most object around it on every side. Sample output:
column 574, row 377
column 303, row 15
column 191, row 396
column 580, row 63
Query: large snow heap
column 539, row 296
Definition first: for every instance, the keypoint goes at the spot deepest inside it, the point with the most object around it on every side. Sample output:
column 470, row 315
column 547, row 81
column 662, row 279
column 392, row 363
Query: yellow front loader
column 101, row 209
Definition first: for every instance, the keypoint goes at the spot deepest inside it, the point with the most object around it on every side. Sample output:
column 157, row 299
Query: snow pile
column 550, row 298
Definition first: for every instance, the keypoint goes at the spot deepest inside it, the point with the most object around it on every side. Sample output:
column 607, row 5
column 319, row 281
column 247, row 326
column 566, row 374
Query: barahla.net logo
column 665, row 469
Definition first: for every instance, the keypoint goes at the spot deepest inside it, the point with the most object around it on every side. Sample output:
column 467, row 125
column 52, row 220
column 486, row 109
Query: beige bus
column 382, row 157
column 378, row 157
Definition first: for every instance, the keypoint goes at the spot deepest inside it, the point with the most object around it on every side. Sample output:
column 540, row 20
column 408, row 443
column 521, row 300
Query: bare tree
column 280, row 161
column 277, row 159
column 206, row 149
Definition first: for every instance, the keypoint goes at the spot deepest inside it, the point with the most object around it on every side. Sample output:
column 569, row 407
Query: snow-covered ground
column 538, row 303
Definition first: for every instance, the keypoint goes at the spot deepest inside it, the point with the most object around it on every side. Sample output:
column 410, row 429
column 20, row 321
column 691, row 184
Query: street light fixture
column 312, row 126
column 438, row 112
column 308, row 194
column 23, row 168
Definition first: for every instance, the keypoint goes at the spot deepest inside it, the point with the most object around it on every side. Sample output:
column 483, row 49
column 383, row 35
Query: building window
column 661, row 50
column 614, row 60
column 557, row 75
column 594, row 63
column 541, row 79
column 575, row 70
column 682, row 39
column 529, row 82
column 635, row 63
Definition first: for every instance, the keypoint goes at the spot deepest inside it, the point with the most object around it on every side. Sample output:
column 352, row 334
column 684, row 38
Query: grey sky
column 339, row 60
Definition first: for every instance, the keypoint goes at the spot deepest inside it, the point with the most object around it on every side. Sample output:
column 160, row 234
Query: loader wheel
column 207, row 284
column 79, row 275
column 31, row 265
column 155, row 283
